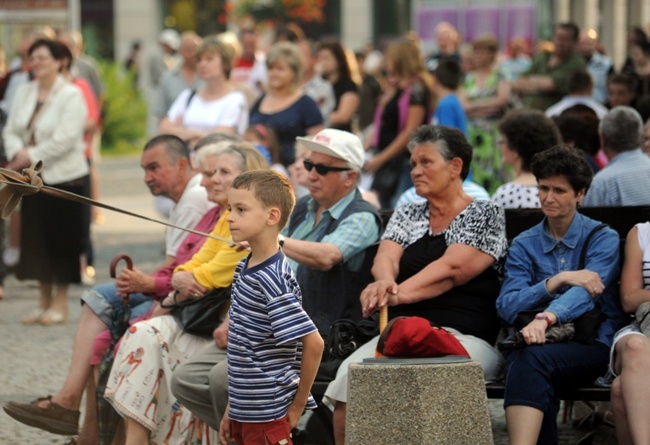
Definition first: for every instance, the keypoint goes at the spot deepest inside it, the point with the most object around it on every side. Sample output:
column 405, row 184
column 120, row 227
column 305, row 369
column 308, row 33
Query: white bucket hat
column 338, row 144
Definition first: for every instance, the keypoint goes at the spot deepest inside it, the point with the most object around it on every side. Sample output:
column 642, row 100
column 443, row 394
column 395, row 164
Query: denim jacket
column 535, row 256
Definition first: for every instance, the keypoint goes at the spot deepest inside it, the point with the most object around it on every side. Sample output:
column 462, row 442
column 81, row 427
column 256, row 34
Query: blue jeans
column 535, row 372
column 102, row 298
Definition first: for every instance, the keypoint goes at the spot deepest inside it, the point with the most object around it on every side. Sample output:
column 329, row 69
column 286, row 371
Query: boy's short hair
column 623, row 79
column 271, row 188
column 448, row 74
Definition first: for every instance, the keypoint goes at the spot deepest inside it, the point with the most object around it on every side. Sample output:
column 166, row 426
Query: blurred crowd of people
column 481, row 114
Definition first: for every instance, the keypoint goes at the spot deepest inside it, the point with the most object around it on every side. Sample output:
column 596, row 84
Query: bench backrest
column 621, row 219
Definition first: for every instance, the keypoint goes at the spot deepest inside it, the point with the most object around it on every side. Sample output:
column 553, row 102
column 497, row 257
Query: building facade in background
column 111, row 26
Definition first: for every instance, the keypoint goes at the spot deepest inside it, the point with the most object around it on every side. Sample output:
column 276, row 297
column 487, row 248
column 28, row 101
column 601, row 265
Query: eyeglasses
column 323, row 169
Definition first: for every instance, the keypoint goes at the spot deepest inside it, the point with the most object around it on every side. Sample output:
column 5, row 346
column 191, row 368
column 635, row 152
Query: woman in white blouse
column 46, row 123
column 216, row 105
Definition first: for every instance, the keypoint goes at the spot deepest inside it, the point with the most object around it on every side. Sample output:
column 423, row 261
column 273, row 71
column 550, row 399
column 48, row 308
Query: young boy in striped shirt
column 274, row 348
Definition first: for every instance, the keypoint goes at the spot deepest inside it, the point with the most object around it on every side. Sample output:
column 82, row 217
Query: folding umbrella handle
column 117, row 259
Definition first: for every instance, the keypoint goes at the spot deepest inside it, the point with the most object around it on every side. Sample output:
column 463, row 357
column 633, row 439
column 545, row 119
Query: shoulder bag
column 201, row 316
column 583, row 329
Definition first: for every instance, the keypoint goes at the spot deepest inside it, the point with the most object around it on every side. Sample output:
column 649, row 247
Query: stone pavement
column 34, row 359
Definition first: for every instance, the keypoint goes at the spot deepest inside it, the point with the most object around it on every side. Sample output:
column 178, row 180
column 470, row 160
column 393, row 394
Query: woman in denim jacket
column 541, row 274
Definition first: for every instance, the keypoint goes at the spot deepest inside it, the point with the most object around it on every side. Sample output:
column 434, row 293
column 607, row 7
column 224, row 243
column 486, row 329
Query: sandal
column 33, row 317
column 51, row 317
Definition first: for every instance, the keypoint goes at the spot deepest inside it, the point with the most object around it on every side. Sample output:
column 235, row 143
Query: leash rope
column 14, row 185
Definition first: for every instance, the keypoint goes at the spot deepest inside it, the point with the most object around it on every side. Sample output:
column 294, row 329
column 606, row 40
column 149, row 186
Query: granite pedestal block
column 417, row 401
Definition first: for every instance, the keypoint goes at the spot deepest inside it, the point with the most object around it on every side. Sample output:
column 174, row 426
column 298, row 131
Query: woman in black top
column 337, row 71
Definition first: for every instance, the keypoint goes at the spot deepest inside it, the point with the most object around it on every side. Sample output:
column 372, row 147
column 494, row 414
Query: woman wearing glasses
column 46, row 123
column 284, row 107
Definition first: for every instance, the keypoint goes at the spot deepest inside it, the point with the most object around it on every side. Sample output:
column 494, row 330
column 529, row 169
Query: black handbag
column 345, row 337
column 201, row 316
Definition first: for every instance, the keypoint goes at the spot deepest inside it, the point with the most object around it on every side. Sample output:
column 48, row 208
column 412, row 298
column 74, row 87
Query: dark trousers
column 534, row 373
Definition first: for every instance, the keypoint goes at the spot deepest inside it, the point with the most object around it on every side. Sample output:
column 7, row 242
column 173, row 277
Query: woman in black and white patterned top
column 439, row 259
column 524, row 133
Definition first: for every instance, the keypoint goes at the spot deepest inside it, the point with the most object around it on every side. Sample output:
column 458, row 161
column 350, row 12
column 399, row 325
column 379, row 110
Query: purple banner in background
column 428, row 18
column 504, row 22
column 481, row 20
column 521, row 22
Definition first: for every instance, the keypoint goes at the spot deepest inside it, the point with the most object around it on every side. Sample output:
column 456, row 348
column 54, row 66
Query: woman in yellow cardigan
column 139, row 383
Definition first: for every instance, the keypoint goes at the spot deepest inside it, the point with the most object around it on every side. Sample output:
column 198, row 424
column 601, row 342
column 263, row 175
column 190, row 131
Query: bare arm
column 220, row 335
column 385, row 269
column 135, row 281
column 348, row 105
column 315, row 129
column 490, row 105
column 168, row 127
column 311, row 355
column 186, row 285
column 632, row 291
column 533, row 84
column 457, row 266
column 320, row 256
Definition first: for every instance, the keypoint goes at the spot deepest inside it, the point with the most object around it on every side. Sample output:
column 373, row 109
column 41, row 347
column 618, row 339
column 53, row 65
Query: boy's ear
column 274, row 216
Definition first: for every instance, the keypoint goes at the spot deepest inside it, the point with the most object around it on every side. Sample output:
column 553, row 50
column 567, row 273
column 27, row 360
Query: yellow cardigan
column 214, row 264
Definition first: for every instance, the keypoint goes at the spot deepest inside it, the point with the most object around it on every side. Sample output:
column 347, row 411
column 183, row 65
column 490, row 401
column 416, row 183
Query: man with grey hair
column 329, row 229
column 184, row 76
column 626, row 179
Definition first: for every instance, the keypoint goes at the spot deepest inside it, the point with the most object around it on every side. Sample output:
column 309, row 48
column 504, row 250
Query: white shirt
column 187, row 213
column 569, row 101
column 58, row 130
column 229, row 111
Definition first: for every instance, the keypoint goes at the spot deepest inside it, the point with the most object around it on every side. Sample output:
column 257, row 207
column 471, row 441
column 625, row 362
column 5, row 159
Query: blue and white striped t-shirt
column 264, row 348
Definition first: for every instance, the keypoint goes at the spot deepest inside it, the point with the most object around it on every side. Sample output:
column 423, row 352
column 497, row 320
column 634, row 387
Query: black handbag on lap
column 201, row 316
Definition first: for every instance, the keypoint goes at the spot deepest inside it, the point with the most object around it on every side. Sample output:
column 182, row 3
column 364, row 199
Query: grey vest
column 333, row 294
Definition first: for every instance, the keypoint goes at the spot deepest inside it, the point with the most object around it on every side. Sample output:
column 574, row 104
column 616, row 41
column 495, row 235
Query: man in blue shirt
column 626, row 179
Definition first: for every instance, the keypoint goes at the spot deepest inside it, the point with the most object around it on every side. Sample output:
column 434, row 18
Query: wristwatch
column 281, row 240
column 543, row 316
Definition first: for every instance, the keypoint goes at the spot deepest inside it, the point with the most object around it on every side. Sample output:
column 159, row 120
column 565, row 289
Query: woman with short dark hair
column 524, row 133
column 46, row 123
column 545, row 274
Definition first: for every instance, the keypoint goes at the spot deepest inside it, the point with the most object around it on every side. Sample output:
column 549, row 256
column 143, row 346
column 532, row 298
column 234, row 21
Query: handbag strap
column 583, row 252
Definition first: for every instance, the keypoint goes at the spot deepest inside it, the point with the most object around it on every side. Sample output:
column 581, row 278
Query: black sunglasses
column 323, row 169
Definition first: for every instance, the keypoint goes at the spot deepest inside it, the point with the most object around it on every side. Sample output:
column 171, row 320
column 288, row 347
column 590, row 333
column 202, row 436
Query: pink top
column 191, row 244
column 94, row 114
column 163, row 278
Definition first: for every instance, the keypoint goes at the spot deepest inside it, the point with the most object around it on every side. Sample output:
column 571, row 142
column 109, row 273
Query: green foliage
column 124, row 112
